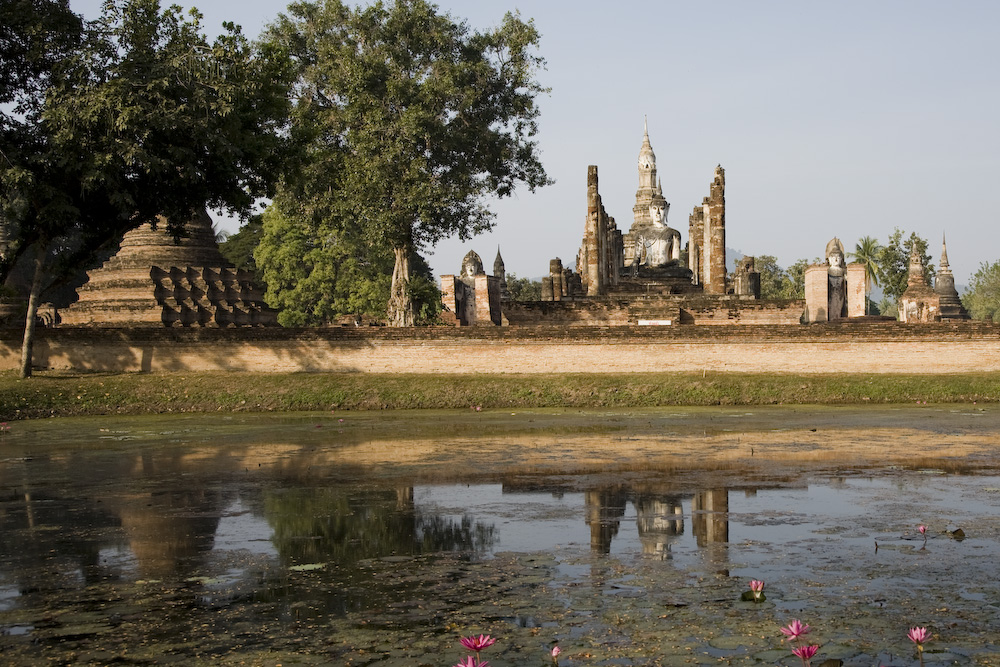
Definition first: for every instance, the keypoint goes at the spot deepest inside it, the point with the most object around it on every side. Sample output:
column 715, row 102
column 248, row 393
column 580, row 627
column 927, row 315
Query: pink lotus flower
column 555, row 652
column 806, row 652
column 922, row 529
column 757, row 587
column 917, row 635
column 477, row 644
column 472, row 661
column 796, row 629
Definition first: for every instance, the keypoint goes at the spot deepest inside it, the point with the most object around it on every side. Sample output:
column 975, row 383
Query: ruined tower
column 707, row 238
column 601, row 251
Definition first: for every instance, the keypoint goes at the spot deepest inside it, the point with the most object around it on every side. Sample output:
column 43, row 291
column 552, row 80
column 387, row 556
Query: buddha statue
column 836, row 280
column 660, row 245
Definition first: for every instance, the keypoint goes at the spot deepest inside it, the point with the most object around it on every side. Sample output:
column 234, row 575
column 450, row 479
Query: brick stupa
column 154, row 280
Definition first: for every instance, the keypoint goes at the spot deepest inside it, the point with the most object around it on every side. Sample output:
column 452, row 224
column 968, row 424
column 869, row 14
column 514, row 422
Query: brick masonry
column 841, row 347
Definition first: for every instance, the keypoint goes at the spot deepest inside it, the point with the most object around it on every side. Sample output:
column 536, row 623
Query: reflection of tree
column 318, row 525
column 49, row 541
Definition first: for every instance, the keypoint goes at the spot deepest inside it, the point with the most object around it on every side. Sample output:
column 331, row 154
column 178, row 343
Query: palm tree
column 867, row 252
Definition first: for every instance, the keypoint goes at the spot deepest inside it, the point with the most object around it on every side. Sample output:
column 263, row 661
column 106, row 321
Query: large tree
column 408, row 121
column 139, row 117
column 982, row 297
column 316, row 273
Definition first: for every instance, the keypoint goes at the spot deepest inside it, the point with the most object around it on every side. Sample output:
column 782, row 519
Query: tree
column 776, row 282
column 894, row 262
column 523, row 289
column 867, row 251
column 238, row 248
column 140, row 117
column 773, row 280
column 407, row 122
column 982, row 296
column 316, row 274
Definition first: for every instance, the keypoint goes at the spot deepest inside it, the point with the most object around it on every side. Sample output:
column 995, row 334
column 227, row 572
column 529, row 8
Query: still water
column 380, row 539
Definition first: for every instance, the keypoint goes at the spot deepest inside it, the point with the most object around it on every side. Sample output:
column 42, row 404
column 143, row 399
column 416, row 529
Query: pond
column 623, row 537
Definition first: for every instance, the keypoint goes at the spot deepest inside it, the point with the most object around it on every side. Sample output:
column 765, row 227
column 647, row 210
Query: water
column 381, row 539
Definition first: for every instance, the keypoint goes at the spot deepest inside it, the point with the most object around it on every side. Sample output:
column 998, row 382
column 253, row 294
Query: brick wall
column 849, row 347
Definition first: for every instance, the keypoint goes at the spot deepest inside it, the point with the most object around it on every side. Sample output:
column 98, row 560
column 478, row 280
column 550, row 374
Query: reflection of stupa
column 154, row 280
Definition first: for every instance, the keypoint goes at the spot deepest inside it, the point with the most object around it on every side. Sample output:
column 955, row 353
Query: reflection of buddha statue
column 836, row 280
column 660, row 243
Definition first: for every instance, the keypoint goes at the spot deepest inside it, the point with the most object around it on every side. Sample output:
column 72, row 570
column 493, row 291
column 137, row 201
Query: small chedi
column 156, row 280
column 834, row 289
column 949, row 303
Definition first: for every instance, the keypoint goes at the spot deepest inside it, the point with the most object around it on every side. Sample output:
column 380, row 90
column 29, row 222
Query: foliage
column 523, row 289
column 406, row 121
column 776, row 282
column 894, row 264
column 141, row 118
column 316, row 275
column 867, row 251
column 982, row 296
column 238, row 248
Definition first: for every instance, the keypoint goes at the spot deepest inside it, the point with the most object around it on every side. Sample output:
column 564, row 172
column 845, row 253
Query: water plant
column 756, row 592
column 918, row 636
column 476, row 644
column 555, row 655
column 796, row 631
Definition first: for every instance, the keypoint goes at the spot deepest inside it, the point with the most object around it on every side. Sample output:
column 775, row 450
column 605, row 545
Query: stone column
column 857, row 279
column 556, row 275
column 714, row 248
column 547, row 288
column 817, row 293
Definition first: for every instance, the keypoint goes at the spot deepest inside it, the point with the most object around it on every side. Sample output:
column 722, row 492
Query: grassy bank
column 50, row 394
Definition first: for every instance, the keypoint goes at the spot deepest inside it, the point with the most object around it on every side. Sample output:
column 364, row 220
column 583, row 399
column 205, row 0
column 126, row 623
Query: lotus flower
column 472, row 661
column 477, row 644
column 796, row 629
column 555, row 655
column 922, row 529
column 806, row 652
column 917, row 635
column 757, row 587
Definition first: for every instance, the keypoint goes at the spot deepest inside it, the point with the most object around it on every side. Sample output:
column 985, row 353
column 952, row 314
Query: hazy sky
column 831, row 119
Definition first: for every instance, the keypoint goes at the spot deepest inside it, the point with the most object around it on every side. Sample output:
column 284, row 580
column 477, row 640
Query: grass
column 58, row 394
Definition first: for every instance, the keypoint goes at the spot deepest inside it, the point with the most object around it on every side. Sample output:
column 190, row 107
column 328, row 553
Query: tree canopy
column 127, row 118
column 407, row 122
column 316, row 275
column 982, row 297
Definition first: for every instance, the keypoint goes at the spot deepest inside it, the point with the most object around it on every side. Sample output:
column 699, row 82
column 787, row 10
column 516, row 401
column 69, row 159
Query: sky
column 844, row 119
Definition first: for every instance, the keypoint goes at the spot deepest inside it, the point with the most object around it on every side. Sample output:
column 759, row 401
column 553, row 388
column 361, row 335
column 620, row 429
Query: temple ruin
column 157, row 280
column 645, row 275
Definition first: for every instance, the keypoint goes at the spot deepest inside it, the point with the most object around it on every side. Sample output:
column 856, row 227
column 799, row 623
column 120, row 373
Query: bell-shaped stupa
column 157, row 280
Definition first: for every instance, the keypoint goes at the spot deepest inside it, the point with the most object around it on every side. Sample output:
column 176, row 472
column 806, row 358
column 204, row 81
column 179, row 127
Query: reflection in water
column 204, row 553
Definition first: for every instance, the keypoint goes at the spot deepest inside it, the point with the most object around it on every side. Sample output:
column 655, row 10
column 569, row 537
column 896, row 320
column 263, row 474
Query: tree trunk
column 29, row 320
column 400, row 301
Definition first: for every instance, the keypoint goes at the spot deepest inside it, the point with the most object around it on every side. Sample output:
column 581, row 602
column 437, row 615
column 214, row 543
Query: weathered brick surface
column 851, row 346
